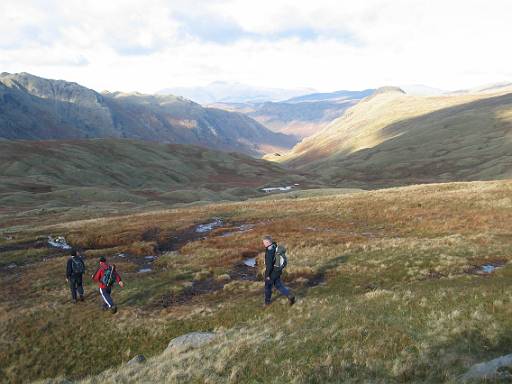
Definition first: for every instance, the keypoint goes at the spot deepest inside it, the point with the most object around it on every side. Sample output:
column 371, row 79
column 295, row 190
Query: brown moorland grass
column 387, row 284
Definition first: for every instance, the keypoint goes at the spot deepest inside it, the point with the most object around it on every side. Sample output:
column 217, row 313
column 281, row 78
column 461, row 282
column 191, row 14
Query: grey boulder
column 493, row 369
column 190, row 340
column 139, row 359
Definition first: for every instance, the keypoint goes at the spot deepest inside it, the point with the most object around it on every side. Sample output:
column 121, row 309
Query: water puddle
column 240, row 229
column 144, row 270
column 487, row 268
column 150, row 258
column 208, row 227
column 273, row 189
column 250, row 262
column 58, row 242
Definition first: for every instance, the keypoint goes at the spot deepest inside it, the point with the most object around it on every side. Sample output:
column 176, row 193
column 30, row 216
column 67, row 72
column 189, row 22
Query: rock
column 489, row 370
column 190, row 340
column 139, row 359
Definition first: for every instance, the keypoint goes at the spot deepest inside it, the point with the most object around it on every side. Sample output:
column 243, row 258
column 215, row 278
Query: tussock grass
column 384, row 279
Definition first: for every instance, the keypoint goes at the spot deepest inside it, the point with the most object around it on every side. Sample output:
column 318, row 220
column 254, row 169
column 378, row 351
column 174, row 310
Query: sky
column 321, row 44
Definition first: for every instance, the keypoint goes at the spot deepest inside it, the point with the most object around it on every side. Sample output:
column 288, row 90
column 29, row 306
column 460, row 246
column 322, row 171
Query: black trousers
column 75, row 285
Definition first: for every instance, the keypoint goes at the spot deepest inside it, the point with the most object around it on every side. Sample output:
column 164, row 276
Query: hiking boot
column 73, row 301
column 291, row 300
column 113, row 309
column 81, row 298
column 266, row 305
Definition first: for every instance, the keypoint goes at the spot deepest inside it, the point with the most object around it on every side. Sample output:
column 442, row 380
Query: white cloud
column 324, row 44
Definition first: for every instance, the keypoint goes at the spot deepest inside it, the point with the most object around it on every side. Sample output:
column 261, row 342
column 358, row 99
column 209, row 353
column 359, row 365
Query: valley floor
column 393, row 286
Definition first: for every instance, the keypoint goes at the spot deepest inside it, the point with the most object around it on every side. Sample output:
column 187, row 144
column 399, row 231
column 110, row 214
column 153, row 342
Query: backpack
column 281, row 260
column 109, row 276
column 77, row 266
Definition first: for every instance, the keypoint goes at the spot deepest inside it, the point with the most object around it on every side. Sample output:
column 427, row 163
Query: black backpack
column 77, row 266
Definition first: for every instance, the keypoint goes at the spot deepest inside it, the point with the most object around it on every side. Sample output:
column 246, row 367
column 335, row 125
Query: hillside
column 298, row 119
column 301, row 116
column 399, row 285
column 392, row 138
column 33, row 108
column 90, row 177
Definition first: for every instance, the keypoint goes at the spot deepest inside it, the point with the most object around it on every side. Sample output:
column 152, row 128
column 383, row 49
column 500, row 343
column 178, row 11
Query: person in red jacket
column 106, row 276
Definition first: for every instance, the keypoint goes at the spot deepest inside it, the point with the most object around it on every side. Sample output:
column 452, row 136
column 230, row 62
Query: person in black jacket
column 75, row 269
column 273, row 273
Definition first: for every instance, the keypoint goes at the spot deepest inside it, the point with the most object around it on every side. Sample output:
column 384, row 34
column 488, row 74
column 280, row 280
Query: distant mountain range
column 332, row 96
column 35, row 108
column 392, row 138
column 224, row 92
column 301, row 116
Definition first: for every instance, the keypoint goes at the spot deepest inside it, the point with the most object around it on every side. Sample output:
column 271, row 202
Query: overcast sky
column 147, row 45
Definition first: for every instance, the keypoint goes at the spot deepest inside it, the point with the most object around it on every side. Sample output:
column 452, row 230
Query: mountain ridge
column 35, row 108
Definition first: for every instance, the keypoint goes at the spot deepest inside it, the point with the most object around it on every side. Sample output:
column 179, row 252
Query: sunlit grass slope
column 392, row 139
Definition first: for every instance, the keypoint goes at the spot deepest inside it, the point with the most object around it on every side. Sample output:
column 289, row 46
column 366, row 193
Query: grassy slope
column 397, row 304
column 392, row 138
column 93, row 176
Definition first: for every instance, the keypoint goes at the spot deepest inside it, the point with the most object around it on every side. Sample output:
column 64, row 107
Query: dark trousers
column 106, row 298
column 75, row 285
column 275, row 281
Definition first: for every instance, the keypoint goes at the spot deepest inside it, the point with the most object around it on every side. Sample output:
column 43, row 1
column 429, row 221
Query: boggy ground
column 389, row 284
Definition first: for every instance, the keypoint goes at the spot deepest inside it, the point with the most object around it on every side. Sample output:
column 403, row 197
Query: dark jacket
column 98, row 276
column 270, row 257
column 69, row 266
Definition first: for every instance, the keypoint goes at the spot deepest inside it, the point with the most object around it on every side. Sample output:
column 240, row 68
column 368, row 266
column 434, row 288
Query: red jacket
column 98, row 276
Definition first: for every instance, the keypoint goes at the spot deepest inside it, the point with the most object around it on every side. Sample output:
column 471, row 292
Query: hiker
column 106, row 276
column 75, row 269
column 275, row 262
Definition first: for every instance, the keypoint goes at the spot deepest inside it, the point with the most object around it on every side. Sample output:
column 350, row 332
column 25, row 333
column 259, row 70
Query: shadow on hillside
column 464, row 349
column 320, row 276
column 459, row 143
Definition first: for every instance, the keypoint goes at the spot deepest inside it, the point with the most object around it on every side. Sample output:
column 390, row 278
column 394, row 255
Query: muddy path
column 201, row 232
column 174, row 242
